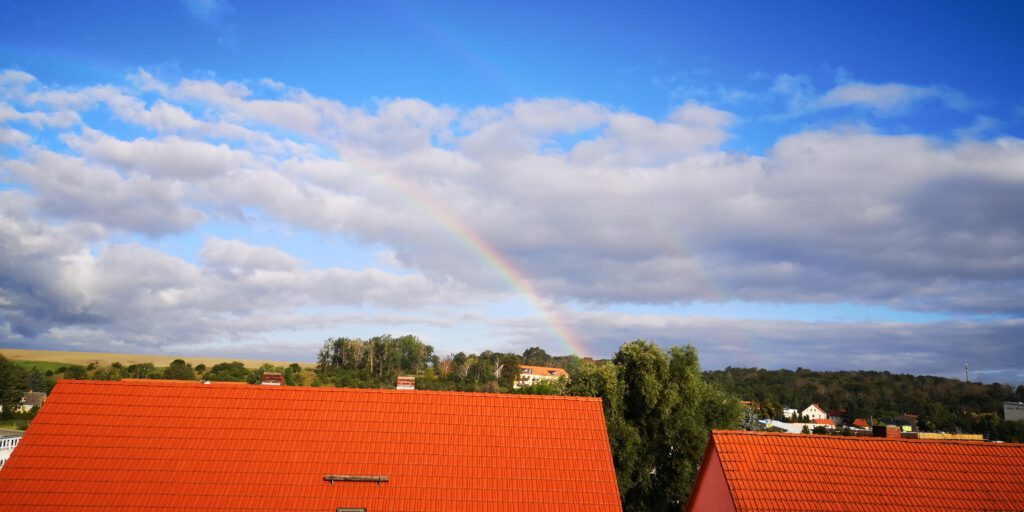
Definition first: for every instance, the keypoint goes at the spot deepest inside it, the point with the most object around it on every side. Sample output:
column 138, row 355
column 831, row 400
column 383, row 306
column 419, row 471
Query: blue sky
column 817, row 184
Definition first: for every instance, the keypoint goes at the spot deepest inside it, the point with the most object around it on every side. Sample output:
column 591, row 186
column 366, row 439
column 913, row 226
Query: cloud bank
column 598, row 206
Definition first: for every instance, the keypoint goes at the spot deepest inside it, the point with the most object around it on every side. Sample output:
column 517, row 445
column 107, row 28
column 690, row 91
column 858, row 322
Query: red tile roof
column 159, row 445
column 861, row 422
column 544, row 371
column 785, row 472
column 824, row 421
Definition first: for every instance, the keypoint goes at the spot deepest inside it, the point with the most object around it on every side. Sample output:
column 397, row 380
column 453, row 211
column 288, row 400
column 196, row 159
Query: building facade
column 9, row 440
column 1013, row 411
column 530, row 375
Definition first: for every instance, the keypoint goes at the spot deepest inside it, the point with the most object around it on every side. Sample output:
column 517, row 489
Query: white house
column 8, row 440
column 30, row 400
column 530, row 375
column 1013, row 411
column 813, row 412
column 788, row 413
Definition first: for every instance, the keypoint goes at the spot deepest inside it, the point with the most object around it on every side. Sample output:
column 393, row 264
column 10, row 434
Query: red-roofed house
column 861, row 423
column 757, row 471
column 827, row 423
column 182, row 446
column 837, row 416
column 530, row 375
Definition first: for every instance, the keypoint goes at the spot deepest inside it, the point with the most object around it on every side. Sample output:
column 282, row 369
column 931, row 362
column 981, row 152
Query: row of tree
column 941, row 404
column 16, row 379
column 378, row 361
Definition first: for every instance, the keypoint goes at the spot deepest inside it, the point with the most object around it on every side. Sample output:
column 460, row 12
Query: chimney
column 272, row 379
column 888, row 431
column 406, row 382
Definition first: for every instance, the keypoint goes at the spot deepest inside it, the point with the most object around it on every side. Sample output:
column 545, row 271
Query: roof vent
column 356, row 478
column 272, row 379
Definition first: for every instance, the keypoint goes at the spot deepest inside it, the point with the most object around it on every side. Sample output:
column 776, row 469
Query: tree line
column 941, row 404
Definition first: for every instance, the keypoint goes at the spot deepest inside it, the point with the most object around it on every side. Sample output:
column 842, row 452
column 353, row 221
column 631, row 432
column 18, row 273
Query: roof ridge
column 321, row 389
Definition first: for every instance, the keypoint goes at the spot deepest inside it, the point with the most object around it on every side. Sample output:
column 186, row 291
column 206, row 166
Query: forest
column 941, row 404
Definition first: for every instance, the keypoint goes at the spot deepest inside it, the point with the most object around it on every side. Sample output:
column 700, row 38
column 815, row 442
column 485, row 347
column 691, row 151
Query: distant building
column 906, row 420
column 939, row 436
column 406, row 382
column 824, row 422
column 838, row 416
column 757, row 471
column 861, row 423
column 788, row 413
column 272, row 379
column 30, row 400
column 9, row 439
column 530, row 375
column 813, row 412
column 1013, row 411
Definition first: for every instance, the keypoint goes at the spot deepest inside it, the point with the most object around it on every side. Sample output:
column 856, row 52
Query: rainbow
column 447, row 36
column 490, row 255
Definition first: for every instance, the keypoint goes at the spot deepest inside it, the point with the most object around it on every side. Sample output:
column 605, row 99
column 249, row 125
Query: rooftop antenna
column 967, row 375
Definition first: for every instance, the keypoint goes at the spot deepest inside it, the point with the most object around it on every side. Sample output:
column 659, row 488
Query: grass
column 42, row 366
column 13, row 424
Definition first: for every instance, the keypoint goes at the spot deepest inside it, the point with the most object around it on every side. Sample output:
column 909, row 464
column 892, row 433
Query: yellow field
column 106, row 358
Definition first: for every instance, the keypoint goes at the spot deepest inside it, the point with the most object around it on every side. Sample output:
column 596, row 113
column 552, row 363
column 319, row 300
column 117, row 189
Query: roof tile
column 766, row 471
column 159, row 445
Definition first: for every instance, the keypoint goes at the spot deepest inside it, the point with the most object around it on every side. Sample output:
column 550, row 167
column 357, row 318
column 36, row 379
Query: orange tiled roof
column 544, row 371
column 824, row 421
column 181, row 446
column 861, row 422
column 784, row 472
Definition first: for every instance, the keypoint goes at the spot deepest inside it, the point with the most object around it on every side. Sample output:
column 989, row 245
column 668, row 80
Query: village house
column 530, row 375
column 814, row 412
column 191, row 447
column 30, row 400
column 9, row 439
column 824, row 422
column 1013, row 411
column 838, row 416
column 758, row 471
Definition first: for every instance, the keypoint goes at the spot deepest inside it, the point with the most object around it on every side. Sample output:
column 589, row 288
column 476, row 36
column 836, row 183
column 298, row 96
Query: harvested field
column 66, row 357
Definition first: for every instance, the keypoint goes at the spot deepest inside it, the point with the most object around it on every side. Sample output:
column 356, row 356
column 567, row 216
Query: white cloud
column 888, row 97
column 592, row 204
column 72, row 188
column 170, row 157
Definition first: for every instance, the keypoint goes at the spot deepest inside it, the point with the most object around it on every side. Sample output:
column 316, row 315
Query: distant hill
column 943, row 404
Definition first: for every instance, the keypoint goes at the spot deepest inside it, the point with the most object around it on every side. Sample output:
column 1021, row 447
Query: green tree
column 180, row 370
column 234, row 371
column 140, row 371
column 536, row 356
column 658, row 411
column 544, row 387
column 75, row 372
column 12, row 381
column 36, row 382
column 508, row 370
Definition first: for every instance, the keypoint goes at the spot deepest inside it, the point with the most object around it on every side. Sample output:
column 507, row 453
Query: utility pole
column 967, row 375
